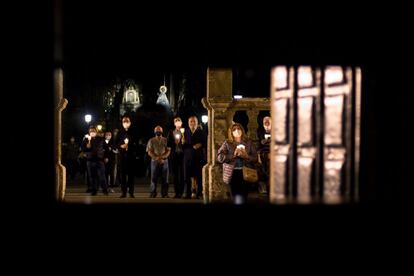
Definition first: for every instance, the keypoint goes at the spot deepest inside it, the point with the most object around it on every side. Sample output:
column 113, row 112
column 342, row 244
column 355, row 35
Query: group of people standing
column 180, row 151
column 183, row 153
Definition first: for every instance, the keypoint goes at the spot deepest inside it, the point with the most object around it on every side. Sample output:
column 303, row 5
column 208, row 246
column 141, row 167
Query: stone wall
column 221, row 109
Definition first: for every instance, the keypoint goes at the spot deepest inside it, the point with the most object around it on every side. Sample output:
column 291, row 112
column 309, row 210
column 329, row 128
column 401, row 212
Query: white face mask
column 237, row 133
column 126, row 125
column 178, row 124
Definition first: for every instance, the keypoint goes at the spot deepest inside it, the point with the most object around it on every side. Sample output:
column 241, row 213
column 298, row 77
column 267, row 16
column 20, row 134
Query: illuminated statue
column 162, row 97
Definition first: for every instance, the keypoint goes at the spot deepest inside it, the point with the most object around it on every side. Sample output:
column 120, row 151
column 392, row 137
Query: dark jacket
column 132, row 144
column 264, row 143
column 96, row 152
column 190, row 139
column 226, row 152
column 71, row 151
column 109, row 150
column 176, row 149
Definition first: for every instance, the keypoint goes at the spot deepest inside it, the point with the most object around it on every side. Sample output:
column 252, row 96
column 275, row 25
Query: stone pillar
column 218, row 100
column 253, row 125
column 60, row 105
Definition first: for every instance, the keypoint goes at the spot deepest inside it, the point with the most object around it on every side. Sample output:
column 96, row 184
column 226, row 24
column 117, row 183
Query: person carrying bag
column 238, row 155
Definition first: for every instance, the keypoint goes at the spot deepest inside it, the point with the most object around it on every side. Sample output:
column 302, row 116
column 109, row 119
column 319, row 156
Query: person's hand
column 265, row 141
column 106, row 160
column 197, row 146
column 243, row 154
column 124, row 146
column 237, row 152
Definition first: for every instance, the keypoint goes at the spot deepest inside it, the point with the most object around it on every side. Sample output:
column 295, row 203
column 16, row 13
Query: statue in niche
column 162, row 97
column 130, row 97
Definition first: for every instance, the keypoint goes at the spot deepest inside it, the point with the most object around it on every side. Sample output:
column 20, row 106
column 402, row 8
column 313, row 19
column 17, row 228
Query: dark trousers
column 72, row 168
column 96, row 174
column 110, row 173
column 192, row 168
column 178, row 174
column 237, row 185
column 157, row 171
column 127, row 175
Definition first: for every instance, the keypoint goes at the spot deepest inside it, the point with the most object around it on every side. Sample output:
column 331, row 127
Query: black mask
column 158, row 133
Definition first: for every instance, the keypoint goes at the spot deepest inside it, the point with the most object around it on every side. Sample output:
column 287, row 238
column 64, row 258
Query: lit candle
column 177, row 136
column 182, row 130
column 267, row 136
column 126, row 140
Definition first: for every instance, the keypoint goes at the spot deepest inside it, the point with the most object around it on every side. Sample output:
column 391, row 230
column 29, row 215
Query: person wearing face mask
column 126, row 144
column 109, row 159
column 238, row 151
column 93, row 146
column 194, row 146
column 176, row 157
column 159, row 151
column 264, row 154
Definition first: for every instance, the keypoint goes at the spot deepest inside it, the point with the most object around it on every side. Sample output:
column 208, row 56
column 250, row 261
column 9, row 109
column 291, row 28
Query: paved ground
column 76, row 193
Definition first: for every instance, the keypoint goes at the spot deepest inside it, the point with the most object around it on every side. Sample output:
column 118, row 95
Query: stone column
column 218, row 100
column 60, row 105
column 253, row 125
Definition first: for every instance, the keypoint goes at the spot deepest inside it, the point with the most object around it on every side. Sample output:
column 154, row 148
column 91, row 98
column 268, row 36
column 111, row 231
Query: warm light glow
column 99, row 127
column 305, row 76
column 237, row 97
column 177, row 136
column 334, row 74
column 267, row 136
column 182, row 130
column 305, row 161
column 204, row 119
column 88, row 118
column 280, row 75
column 163, row 89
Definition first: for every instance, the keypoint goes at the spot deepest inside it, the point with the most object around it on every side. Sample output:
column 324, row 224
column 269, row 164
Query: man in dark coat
column 194, row 147
column 126, row 144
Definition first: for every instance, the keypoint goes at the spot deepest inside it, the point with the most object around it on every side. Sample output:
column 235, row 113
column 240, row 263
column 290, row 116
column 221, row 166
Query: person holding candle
column 109, row 160
column 126, row 145
column 237, row 151
column 175, row 142
column 93, row 146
